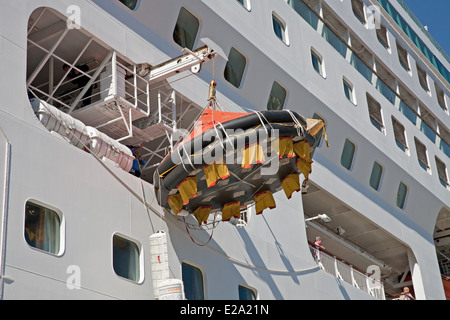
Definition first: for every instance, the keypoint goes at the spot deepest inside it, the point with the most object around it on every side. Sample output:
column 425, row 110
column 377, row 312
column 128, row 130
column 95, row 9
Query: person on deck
column 405, row 295
column 138, row 161
column 318, row 245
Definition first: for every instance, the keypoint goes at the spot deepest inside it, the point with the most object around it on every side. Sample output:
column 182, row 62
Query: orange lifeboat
column 232, row 160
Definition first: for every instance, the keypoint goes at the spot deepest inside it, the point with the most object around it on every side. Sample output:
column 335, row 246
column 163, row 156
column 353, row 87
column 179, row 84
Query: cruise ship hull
column 98, row 202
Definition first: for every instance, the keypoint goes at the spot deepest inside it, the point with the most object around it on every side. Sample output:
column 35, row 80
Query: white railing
column 108, row 78
column 110, row 83
column 347, row 273
column 167, row 109
column 444, row 262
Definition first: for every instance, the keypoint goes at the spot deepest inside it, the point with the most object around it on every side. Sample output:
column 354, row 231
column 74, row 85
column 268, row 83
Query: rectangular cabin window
column 408, row 104
column 279, row 27
column 193, row 282
column 234, row 69
column 428, row 125
column 399, row 134
column 347, row 155
column 132, row 4
column 317, row 63
column 422, row 78
column 246, row 293
column 186, row 29
column 382, row 36
column 348, row 91
column 403, row 57
column 375, row 176
column 375, row 114
column 358, row 10
column 442, row 172
column 277, row 97
column 245, row 4
column 422, row 154
column 126, row 258
column 444, row 145
column 401, row 195
column 440, row 95
column 43, row 228
column 305, row 12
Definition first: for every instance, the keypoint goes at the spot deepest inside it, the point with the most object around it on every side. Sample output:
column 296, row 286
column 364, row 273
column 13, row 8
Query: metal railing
column 348, row 273
column 444, row 262
column 425, row 31
column 110, row 81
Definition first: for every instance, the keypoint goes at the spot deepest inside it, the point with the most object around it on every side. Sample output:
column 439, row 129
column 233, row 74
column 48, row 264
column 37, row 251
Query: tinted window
column 130, row 3
column 125, row 258
column 42, row 228
column 234, row 69
column 186, row 29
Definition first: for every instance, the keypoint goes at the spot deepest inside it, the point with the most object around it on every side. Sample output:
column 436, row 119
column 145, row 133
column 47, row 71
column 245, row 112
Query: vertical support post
column 4, row 212
column 352, row 274
column 348, row 52
column 416, row 275
column 114, row 73
column 51, row 72
column 336, row 271
column 174, row 110
column 135, row 87
column 148, row 98
column 159, row 107
column 170, row 138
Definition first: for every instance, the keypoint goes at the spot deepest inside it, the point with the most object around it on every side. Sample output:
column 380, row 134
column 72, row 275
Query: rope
column 299, row 125
column 228, row 137
column 187, row 157
column 214, row 67
column 145, row 206
column 193, row 240
column 259, row 117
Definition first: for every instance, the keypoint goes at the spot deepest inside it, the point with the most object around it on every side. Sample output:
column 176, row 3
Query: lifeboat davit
column 231, row 160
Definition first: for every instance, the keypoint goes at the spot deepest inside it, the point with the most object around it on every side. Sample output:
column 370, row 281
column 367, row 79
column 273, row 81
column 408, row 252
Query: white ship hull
column 97, row 201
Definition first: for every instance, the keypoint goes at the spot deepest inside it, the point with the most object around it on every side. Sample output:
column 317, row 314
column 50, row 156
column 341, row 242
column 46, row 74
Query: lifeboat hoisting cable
column 231, row 160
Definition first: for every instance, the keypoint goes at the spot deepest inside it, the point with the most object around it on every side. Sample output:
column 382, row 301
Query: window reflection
column 42, row 228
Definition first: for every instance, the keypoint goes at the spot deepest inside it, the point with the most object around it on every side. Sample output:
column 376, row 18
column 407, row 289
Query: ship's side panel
column 47, row 170
column 347, row 121
column 97, row 201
